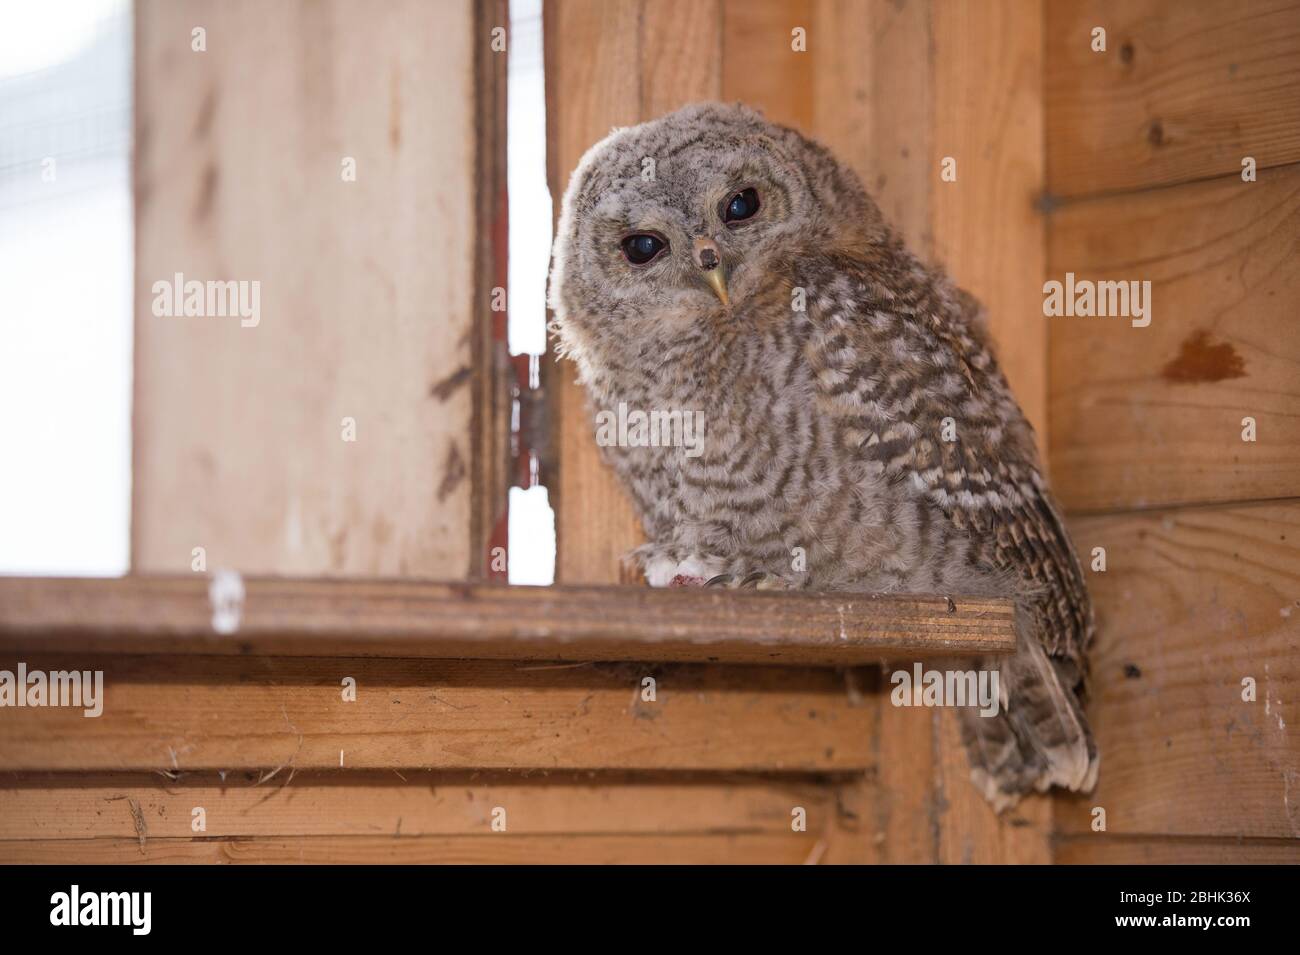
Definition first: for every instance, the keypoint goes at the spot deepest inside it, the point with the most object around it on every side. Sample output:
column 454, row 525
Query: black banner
column 234, row 905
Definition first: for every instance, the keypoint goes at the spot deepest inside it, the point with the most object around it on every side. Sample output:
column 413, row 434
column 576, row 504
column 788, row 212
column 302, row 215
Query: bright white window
column 66, row 283
column 65, row 287
column 532, row 521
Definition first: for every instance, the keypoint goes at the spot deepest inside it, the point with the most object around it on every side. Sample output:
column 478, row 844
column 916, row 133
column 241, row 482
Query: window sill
column 408, row 619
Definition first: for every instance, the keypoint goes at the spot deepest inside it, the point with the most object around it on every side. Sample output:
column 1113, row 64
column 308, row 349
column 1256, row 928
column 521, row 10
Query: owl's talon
column 758, row 580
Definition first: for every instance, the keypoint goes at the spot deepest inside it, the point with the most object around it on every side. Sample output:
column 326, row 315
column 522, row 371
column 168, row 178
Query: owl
column 856, row 431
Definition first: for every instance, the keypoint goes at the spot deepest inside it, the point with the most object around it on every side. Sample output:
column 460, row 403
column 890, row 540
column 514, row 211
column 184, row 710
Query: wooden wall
column 1123, row 164
column 1144, row 146
column 1114, row 165
column 373, row 307
column 367, row 288
column 892, row 88
column 412, row 816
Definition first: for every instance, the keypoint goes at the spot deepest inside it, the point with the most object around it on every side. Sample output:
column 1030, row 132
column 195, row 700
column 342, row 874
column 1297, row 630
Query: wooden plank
column 589, row 48
column 986, row 67
column 1192, row 603
column 679, row 44
column 988, row 108
column 851, row 836
column 873, row 104
column 490, row 370
column 425, row 620
column 182, row 713
column 760, row 65
column 417, row 803
column 499, row 849
column 987, row 62
column 1183, row 91
column 1154, row 850
column 1146, row 417
column 969, row 831
column 605, row 67
column 907, row 799
column 366, row 287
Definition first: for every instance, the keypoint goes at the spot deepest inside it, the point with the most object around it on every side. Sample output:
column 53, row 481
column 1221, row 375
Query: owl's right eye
column 643, row 247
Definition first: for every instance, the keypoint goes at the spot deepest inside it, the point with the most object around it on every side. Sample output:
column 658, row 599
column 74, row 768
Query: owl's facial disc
column 634, row 271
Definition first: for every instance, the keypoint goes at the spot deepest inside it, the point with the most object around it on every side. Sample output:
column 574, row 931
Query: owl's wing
column 989, row 481
column 1001, row 500
column 903, row 362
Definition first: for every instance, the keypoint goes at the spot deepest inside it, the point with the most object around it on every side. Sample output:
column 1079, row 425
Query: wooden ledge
column 298, row 617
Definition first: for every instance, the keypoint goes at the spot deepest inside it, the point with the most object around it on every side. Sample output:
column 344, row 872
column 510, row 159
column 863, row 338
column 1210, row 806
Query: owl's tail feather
column 1039, row 738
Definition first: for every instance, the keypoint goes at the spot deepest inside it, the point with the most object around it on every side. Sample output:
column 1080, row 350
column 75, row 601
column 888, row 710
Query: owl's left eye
column 642, row 247
column 742, row 206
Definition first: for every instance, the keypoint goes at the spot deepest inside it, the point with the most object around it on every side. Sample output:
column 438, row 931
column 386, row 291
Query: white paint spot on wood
column 226, row 594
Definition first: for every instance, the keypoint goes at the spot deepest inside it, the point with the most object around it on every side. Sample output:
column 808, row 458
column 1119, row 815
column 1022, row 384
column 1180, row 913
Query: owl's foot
column 759, row 580
column 664, row 571
column 701, row 571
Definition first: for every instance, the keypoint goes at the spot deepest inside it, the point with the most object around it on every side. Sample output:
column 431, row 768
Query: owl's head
column 671, row 228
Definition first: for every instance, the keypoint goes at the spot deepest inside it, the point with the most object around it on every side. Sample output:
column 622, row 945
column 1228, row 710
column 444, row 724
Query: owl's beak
column 705, row 253
column 718, row 284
